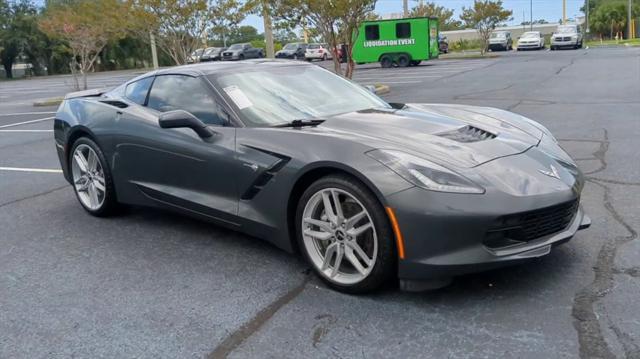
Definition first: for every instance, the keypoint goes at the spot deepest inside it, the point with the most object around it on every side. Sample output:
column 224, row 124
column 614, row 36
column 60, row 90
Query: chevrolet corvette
column 367, row 191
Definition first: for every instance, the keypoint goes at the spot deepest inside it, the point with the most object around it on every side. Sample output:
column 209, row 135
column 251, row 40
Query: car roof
column 210, row 68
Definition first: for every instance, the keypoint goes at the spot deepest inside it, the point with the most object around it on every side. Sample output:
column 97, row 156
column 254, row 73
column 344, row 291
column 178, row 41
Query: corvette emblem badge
column 553, row 173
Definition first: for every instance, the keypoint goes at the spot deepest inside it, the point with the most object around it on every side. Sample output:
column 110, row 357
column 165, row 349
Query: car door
column 249, row 52
column 173, row 166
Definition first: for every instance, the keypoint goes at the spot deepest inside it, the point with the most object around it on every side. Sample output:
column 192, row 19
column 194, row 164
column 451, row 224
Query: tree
column 86, row 27
column 225, row 16
column 484, row 16
column 336, row 20
column 19, row 33
column 178, row 25
column 244, row 33
column 610, row 17
column 444, row 15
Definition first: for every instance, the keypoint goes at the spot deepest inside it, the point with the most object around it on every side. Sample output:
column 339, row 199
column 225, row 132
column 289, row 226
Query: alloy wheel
column 339, row 236
column 88, row 177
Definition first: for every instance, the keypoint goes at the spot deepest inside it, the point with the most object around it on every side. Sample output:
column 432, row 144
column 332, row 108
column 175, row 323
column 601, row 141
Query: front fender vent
column 468, row 134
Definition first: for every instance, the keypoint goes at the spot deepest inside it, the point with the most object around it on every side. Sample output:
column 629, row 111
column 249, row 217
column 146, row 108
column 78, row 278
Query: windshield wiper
column 300, row 123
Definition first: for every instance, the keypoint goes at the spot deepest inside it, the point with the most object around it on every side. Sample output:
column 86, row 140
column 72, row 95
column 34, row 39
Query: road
column 152, row 284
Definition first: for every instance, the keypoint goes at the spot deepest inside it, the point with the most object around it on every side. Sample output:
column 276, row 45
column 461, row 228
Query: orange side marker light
column 396, row 231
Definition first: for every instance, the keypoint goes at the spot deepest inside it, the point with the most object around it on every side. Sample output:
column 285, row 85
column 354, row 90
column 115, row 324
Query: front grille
column 468, row 134
column 523, row 227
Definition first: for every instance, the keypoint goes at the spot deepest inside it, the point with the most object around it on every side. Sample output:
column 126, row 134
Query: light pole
column 531, row 14
column 564, row 12
column 405, row 7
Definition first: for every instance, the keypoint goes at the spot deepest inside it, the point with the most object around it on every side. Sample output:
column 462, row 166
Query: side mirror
column 182, row 119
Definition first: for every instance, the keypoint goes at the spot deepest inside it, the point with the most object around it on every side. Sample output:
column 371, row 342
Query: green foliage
column 484, row 16
column 444, row 15
column 610, row 16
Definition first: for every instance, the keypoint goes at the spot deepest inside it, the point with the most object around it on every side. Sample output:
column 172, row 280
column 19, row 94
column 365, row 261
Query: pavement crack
column 235, row 339
column 573, row 59
column 33, row 196
column 586, row 321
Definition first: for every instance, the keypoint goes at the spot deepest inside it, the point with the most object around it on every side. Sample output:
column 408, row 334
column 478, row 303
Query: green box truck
column 397, row 42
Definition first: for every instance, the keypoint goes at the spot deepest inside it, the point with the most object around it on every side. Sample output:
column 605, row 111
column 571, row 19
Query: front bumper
column 446, row 235
column 564, row 43
column 233, row 57
column 529, row 46
column 499, row 46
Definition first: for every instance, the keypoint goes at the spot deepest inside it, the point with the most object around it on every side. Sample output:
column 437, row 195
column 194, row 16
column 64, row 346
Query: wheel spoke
column 81, row 161
column 322, row 236
column 354, row 219
column 358, row 250
column 328, row 254
column 354, row 261
column 338, row 261
column 325, row 226
column 354, row 232
column 328, row 209
column 99, row 184
column 93, row 196
column 92, row 161
column 336, row 202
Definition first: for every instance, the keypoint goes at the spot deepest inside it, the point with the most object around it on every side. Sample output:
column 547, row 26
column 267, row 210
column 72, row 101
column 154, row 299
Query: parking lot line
column 1, row 131
column 398, row 82
column 395, row 77
column 26, row 113
column 27, row 122
column 40, row 170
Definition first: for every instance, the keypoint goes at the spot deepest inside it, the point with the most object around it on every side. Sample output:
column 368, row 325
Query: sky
column 550, row 10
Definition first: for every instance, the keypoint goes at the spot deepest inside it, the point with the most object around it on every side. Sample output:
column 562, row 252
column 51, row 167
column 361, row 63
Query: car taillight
column 320, row 51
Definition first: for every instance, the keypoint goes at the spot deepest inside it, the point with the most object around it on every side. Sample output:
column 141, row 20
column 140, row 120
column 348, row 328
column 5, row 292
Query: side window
column 403, row 30
column 178, row 92
column 137, row 91
column 372, row 32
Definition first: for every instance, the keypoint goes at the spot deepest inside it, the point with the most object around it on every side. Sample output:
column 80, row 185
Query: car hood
column 454, row 135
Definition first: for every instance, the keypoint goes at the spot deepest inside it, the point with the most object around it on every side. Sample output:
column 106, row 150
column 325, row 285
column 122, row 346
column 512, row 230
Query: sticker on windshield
column 238, row 97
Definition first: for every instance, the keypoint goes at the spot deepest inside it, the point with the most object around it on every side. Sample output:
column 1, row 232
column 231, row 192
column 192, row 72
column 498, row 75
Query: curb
column 382, row 89
column 48, row 102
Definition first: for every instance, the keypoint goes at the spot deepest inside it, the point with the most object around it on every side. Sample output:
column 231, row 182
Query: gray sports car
column 289, row 152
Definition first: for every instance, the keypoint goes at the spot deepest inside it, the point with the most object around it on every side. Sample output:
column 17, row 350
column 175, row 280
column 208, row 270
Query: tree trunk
column 7, row 69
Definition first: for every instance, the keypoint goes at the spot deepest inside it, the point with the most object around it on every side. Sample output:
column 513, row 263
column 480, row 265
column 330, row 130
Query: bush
column 463, row 44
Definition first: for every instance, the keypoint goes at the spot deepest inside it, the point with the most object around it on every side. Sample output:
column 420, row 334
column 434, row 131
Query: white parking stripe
column 12, row 131
column 395, row 78
column 398, row 82
column 27, row 122
column 26, row 113
column 39, row 170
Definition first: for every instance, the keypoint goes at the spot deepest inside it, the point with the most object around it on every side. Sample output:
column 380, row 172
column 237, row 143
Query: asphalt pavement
column 151, row 284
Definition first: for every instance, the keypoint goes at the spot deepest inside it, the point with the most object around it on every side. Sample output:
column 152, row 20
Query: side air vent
column 117, row 104
column 468, row 134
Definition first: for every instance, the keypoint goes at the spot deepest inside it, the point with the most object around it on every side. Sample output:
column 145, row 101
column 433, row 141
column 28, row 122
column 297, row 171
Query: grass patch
column 595, row 43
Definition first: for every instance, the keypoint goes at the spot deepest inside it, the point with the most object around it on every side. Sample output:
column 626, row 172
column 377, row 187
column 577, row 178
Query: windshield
column 211, row 50
column 529, row 35
column 197, row 52
column 498, row 35
column 236, row 46
column 291, row 46
column 313, row 46
column 266, row 97
column 566, row 29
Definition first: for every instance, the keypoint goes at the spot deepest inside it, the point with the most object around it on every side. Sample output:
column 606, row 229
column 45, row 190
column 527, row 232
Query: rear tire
column 92, row 180
column 403, row 60
column 359, row 260
column 386, row 61
column 324, row 57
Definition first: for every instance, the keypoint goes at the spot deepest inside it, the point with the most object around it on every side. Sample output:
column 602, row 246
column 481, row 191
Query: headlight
column 574, row 37
column 423, row 173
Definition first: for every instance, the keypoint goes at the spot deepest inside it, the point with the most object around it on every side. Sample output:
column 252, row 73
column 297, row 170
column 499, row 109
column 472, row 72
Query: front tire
column 92, row 180
column 403, row 60
column 345, row 235
column 386, row 61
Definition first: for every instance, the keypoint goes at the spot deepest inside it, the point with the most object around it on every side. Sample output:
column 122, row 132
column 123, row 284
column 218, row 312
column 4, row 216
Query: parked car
column 212, row 54
column 500, row 40
column 241, row 52
column 318, row 52
column 530, row 40
column 290, row 152
column 195, row 56
column 443, row 44
column 569, row 35
column 293, row 50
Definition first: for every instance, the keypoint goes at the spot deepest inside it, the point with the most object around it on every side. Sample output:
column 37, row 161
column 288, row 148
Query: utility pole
column 154, row 52
column 629, row 33
column 564, row 12
column 268, row 31
column 405, row 7
column 586, row 17
column 531, row 15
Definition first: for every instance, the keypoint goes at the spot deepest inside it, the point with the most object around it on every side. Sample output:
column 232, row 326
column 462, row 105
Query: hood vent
column 468, row 134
